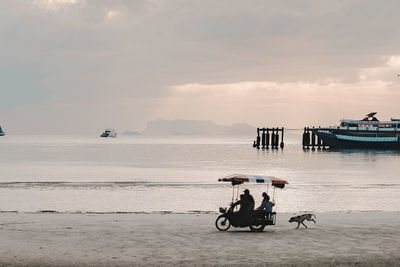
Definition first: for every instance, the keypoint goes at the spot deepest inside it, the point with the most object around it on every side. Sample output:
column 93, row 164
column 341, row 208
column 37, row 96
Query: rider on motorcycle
column 249, row 199
column 246, row 203
column 242, row 202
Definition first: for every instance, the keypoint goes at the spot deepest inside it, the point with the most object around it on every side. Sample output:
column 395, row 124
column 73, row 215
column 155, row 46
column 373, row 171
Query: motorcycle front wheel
column 222, row 223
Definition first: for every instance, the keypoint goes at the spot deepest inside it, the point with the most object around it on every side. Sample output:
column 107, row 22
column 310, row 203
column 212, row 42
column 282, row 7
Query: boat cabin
column 370, row 121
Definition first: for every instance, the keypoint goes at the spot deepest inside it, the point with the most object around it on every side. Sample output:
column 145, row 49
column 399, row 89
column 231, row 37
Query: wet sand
column 345, row 238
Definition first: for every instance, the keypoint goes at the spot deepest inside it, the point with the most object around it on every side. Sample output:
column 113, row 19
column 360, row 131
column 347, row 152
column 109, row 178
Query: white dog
column 301, row 218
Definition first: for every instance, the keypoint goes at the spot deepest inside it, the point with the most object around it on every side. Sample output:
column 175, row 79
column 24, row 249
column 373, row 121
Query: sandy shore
column 370, row 238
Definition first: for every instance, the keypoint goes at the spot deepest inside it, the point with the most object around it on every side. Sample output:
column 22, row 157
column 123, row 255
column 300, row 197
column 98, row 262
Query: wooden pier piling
column 319, row 141
column 276, row 139
column 311, row 139
column 306, row 138
column 269, row 137
column 263, row 139
column 273, row 137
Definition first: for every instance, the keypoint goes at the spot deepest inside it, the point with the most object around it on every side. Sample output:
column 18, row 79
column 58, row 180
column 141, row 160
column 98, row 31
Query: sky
column 80, row 66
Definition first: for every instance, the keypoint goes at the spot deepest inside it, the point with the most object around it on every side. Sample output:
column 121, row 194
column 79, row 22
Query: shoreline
column 189, row 212
column 61, row 239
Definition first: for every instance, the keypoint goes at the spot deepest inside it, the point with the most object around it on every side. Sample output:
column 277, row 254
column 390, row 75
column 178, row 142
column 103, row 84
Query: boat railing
column 374, row 129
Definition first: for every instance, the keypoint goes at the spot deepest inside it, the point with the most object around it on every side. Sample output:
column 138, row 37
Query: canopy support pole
column 273, row 196
column 237, row 195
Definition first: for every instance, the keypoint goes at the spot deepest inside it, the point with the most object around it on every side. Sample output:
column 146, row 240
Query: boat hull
column 334, row 142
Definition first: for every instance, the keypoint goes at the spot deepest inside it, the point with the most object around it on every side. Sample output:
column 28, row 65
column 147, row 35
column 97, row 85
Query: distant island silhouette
column 195, row 127
column 131, row 133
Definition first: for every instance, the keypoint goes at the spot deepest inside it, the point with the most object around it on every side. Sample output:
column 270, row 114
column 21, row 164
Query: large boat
column 368, row 133
column 109, row 133
column 1, row 132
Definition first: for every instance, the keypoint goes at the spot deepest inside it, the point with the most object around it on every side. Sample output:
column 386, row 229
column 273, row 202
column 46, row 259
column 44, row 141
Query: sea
column 179, row 174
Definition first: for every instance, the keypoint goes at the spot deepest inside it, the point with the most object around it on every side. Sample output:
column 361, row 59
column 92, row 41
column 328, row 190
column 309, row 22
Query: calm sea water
column 179, row 174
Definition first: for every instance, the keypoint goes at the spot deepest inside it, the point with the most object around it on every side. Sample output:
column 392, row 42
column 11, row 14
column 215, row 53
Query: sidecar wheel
column 222, row 223
column 257, row 228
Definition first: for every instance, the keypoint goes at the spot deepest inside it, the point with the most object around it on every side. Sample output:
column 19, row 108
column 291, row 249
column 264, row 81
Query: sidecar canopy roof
column 236, row 179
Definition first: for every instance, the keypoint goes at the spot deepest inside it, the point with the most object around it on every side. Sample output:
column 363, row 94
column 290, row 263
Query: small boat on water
column 368, row 133
column 1, row 132
column 109, row 133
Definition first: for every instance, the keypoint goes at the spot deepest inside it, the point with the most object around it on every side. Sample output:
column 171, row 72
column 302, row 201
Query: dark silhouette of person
column 266, row 205
column 246, row 203
column 241, row 214
column 249, row 201
column 263, row 204
column 242, row 204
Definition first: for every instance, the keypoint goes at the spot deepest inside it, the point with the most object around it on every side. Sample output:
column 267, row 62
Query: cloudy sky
column 79, row 66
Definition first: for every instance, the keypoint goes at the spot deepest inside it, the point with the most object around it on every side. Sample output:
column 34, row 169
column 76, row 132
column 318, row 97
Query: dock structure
column 311, row 140
column 269, row 137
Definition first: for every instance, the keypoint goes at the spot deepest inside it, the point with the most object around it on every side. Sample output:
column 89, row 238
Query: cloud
column 369, row 78
column 394, row 62
column 54, row 5
column 112, row 14
column 252, row 100
column 387, row 74
column 229, row 59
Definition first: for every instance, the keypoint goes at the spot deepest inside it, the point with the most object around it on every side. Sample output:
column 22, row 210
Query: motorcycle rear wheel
column 222, row 223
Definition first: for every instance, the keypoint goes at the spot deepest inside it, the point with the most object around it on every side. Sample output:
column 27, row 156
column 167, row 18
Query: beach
column 87, row 201
column 118, row 239
column 126, row 127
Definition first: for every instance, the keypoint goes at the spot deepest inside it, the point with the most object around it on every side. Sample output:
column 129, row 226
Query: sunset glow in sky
column 79, row 66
